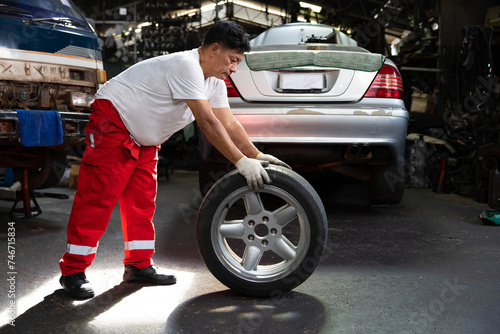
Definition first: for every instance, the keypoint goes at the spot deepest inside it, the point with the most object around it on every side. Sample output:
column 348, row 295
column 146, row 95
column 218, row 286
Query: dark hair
column 229, row 34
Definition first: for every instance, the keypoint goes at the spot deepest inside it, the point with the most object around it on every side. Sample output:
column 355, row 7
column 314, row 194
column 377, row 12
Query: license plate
column 301, row 82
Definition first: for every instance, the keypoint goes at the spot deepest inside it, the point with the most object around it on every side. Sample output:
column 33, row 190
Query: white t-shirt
column 149, row 96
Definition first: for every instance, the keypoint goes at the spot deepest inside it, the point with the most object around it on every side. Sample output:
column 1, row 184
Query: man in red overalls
column 133, row 114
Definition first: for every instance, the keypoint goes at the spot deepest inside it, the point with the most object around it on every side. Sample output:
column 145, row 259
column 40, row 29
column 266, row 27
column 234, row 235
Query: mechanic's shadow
column 228, row 312
column 58, row 313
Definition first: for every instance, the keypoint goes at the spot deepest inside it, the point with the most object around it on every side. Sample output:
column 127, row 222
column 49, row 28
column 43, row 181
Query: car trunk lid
column 306, row 73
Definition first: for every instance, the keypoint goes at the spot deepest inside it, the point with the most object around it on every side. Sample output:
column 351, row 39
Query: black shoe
column 147, row 275
column 77, row 286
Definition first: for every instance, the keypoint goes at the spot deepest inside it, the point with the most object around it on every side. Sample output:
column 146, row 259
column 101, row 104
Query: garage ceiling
column 361, row 17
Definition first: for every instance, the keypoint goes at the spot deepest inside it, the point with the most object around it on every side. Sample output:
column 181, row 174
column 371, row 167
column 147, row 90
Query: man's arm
column 240, row 137
column 214, row 129
column 236, row 131
column 217, row 134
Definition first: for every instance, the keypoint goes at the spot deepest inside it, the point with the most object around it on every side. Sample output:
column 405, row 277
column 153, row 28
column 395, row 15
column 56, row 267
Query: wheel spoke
column 232, row 230
column 285, row 214
column 251, row 258
column 252, row 203
column 285, row 249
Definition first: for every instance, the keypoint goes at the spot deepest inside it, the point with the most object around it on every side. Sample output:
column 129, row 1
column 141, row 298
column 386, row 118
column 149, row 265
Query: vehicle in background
column 308, row 95
column 50, row 65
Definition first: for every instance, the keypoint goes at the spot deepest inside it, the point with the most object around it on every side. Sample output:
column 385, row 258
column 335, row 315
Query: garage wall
column 458, row 13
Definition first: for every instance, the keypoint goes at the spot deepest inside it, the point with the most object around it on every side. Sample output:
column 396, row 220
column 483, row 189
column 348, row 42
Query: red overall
column 114, row 168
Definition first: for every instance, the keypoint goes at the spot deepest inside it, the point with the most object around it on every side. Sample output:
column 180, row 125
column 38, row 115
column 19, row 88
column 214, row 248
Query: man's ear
column 214, row 48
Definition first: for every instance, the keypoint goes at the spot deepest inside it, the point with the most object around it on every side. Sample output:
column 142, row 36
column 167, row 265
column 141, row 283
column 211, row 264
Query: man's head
column 223, row 49
column 229, row 35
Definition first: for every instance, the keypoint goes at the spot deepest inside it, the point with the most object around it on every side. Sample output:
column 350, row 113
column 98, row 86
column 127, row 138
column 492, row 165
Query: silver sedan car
column 308, row 95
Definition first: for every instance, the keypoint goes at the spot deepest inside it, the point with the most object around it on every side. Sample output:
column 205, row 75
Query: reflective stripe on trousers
column 139, row 244
column 81, row 250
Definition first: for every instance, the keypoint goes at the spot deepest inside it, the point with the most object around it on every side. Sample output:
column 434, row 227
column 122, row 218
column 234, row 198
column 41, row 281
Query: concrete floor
column 426, row 265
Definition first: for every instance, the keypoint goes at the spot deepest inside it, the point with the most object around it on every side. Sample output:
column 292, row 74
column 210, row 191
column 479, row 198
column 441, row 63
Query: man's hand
column 254, row 172
column 271, row 159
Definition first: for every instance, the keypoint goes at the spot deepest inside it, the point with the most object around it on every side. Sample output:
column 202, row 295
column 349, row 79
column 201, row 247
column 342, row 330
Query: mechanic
column 133, row 114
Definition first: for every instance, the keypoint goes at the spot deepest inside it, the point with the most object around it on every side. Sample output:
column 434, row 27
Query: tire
column 387, row 184
column 263, row 243
column 50, row 172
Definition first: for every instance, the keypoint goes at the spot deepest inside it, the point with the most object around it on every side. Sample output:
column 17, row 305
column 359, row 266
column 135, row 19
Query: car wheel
column 387, row 184
column 262, row 243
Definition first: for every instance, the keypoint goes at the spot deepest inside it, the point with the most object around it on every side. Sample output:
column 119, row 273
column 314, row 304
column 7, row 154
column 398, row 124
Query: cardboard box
column 493, row 16
column 423, row 103
column 73, row 175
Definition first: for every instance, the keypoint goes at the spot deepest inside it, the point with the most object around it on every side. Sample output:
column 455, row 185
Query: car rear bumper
column 324, row 125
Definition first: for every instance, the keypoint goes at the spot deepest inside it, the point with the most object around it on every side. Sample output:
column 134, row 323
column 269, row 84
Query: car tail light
column 231, row 90
column 387, row 84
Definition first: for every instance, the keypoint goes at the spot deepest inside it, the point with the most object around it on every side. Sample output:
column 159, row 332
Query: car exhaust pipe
column 365, row 151
column 358, row 152
column 352, row 151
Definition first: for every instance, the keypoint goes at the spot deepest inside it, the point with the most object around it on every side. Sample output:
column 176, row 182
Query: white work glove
column 271, row 159
column 253, row 171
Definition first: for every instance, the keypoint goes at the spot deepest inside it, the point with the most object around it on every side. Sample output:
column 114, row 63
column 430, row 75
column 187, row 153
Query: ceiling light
column 312, row 7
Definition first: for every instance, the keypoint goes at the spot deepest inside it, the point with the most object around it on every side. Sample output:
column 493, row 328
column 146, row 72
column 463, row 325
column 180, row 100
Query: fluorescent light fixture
column 210, row 6
column 144, row 24
column 252, row 6
column 314, row 8
column 246, row 4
